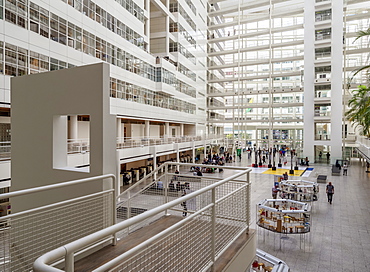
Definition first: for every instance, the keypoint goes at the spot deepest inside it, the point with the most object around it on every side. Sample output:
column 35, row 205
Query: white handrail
column 58, row 185
column 279, row 265
column 68, row 250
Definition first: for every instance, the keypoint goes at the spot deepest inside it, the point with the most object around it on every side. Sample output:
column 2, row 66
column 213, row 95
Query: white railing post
column 165, row 187
column 213, row 220
column 248, row 195
column 116, row 187
column 128, row 204
column 69, row 262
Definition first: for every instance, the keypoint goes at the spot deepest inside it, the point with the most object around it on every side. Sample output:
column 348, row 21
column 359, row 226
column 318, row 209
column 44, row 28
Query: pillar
column 176, row 147
column 119, row 130
column 147, row 129
column 193, row 149
column 336, row 81
column 309, row 80
column 205, row 150
column 73, row 127
column 182, row 130
column 166, row 129
column 153, row 151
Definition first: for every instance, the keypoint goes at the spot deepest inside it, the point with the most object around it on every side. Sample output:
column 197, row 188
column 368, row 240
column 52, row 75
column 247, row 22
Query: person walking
column 184, row 206
column 275, row 191
column 345, row 168
column 328, row 157
column 330, row 192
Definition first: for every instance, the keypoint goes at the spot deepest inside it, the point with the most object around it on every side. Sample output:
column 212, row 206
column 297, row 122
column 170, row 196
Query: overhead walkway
column 256, row 62
column 266, row 75
column 256, row 33
column 257, row 105
column 256, row 48
column 251, row 18
column 274, row 90
column 258, row 119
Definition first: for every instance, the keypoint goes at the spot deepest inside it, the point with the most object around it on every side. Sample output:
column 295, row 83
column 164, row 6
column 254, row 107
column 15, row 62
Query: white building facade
column 156, row 51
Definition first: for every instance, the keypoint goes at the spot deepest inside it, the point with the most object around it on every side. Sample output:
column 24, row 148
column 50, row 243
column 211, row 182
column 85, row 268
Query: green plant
column 359, row 104
column 361, row 34
column 359, row 112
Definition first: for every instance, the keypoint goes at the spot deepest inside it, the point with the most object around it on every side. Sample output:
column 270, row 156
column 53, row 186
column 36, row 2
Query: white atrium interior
column 114, row 96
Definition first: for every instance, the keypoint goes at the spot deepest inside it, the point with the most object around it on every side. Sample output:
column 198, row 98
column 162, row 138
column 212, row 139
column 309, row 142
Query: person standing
column 328, row 157
column 285, row 176
column 345, row 168
column 320, row 155
column 330, row 192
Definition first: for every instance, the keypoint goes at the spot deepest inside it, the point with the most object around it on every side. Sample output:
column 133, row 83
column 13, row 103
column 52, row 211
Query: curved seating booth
column 284, row 216
column 300, row 190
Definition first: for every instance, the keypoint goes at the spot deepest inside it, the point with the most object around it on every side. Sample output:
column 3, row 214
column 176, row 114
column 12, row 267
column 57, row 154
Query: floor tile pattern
column 340, row 233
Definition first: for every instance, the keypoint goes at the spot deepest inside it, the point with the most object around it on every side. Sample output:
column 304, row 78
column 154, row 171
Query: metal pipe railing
column 23, row 219
column 58, row 185
column 67, row 251
column 279, row 265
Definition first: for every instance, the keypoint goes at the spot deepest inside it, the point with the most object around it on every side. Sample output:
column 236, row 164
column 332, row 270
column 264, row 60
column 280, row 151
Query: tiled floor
column 340, row 233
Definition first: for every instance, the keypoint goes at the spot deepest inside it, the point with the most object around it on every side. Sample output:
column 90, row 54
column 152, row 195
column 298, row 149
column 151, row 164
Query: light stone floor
column 340, row 233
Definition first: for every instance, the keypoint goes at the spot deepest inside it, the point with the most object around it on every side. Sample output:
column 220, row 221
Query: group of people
column 345, row 168
column 209, row 160
column 172, row 187
column 327, row 156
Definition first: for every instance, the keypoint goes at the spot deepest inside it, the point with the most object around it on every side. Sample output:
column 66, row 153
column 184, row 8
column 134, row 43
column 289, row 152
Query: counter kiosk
column 300, row 190
column 142, row 171
column 284, row 216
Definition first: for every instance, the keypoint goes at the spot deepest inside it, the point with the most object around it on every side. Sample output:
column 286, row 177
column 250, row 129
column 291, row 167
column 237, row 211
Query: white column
column 205, row 150
column 193, row 149
column 181, row 130
column 119, row 130
column 147, row 129
column 309, row 79
column 336, row 80
column 167, row 29
column 153, row 151
column 73, row 127
column 176, row 147
column 166, row 129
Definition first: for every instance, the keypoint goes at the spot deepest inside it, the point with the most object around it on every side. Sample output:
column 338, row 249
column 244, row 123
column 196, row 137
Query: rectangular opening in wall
column 71, row 142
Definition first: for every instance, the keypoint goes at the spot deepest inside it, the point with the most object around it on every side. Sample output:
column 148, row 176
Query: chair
column 285, row 230
column 291, row 229
column 267, row 268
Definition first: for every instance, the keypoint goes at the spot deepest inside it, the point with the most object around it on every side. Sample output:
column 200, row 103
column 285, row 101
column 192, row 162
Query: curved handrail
column 57, row 185
column 279, row 265
column 67, row 251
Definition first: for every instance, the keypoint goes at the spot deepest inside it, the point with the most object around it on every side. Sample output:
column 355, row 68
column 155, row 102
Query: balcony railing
column 210, row 213
column 78, row 146
column 28, row 234
column 320, row 37
column 322, row 137
column 5, row 148
column 322, row 17
column 131, row 142
column 322, row 55
column 322, row 113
